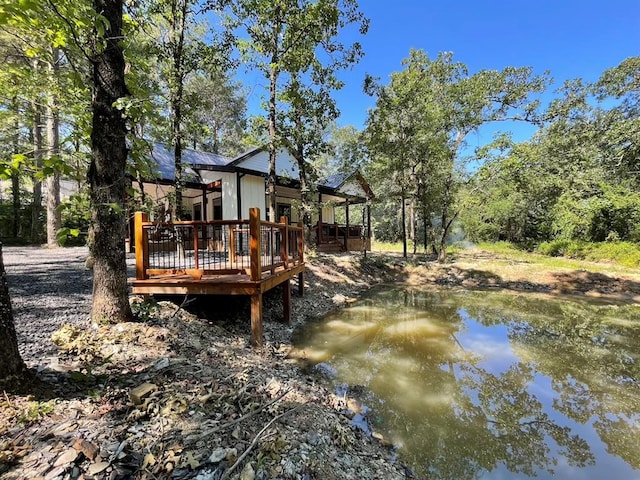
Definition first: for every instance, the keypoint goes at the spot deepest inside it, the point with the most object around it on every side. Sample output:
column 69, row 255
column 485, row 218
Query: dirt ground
column 181, row 394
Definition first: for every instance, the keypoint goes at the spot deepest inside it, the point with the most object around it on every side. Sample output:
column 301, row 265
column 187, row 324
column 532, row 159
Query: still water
column 473, row 384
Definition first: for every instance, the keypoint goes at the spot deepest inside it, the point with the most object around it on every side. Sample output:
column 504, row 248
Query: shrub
column 623, row 253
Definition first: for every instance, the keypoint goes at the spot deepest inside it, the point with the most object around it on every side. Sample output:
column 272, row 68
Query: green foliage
column 24, row 223
column 382, row 246
column 35, row 411
column 76, row 217
column 575, row 180
column 144, row 309
column 416, row 134
column 623, row 253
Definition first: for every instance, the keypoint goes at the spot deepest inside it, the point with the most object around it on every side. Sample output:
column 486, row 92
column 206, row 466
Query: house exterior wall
column 252, row 191
column 328, row 214
column 286, row 165
column 352, row 187
column 229, row 196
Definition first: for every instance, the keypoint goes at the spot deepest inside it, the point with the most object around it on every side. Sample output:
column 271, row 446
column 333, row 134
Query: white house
column 219, row 188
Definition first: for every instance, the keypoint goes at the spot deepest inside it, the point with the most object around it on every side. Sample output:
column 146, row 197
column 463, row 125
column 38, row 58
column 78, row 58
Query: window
column 283, row 210
column 197, row 211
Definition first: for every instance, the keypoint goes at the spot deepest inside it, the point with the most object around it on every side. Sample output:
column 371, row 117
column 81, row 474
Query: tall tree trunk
column 36, row 204
column 54, row 221
column 10, row 361
column 306, row 192
column 107, row 179
column 404, row 227
column 425, row 233
column 178, row 19
column 412, row 219
column 15, row 175
column 271, row 177
column 273, row 147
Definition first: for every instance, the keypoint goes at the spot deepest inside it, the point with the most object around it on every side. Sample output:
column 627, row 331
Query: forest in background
column 574, row 181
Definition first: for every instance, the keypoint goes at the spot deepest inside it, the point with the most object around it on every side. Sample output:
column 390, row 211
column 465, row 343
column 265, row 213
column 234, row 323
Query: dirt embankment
column 181, row 394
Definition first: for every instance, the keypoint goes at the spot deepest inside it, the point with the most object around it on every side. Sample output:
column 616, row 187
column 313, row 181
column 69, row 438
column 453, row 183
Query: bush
column 554, row 248
column 624, row 253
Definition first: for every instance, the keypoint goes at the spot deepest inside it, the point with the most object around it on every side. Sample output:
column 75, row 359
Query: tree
column 181, row 51
column 303, row 126
column 107, row 168
column 10, row 361
column 423, row 118
column 288, row 40
column 215, row 113
column 43, row 66
column 576, row 179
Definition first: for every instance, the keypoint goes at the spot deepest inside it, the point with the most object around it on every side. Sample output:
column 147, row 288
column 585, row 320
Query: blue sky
column 568, row 37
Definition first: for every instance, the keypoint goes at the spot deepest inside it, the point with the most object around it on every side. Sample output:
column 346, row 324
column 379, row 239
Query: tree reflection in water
column 474, row 382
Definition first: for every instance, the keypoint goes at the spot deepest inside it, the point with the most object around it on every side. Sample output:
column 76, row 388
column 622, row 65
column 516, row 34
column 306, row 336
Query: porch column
column 346, row 236
column 204, row 204
column 319, row 239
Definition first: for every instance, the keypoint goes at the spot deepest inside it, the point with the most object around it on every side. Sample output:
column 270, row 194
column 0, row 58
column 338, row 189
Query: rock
column 87, row 448
column 96, row 468
column 161, row 364
column 54, row 473
column 138, row 394
column 248, row 472
column 218, row 455
column 67, row 457
column 339, row 299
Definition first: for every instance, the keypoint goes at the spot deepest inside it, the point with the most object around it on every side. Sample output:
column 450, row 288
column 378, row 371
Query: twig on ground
column 218, row 428
column 228, row 472
column 184, row 303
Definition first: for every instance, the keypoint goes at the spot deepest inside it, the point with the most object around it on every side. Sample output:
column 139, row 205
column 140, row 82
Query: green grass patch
column 499, row 247
column 35, row 411
column 378, row 246
column 626, row 254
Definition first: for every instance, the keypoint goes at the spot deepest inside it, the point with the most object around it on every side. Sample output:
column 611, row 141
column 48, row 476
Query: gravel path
column 48, row 287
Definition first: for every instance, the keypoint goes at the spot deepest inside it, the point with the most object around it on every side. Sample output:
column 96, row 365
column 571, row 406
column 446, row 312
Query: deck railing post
column 196, row 246
column 284, row 241
column 254, row 243
column 142, row 246
column 232, row 244
column 256, row 275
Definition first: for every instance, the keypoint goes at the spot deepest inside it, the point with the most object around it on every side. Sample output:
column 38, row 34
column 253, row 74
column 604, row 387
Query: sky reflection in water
column 491, row 385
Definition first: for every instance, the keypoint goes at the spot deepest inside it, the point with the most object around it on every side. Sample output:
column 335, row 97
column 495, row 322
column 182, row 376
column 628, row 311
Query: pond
column 477, row 384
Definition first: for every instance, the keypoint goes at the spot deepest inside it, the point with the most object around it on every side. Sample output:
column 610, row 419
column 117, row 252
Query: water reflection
column 487, row 385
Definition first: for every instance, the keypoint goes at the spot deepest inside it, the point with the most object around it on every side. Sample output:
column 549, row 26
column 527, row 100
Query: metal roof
column 335, row 180
column 164, row 159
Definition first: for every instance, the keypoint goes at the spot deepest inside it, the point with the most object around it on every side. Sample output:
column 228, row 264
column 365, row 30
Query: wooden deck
column 236, row 257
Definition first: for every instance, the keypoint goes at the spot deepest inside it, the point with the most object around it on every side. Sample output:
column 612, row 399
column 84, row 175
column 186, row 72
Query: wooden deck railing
column 218, row 247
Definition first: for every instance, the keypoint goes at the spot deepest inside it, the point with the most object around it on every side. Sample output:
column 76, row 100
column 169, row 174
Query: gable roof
column 344, row 182
column 347, row 185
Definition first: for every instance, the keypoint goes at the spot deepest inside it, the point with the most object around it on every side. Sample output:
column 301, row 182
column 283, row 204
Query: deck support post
column 142, row 246
column 256, row 320
column 286, row 301
column 256, row 276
